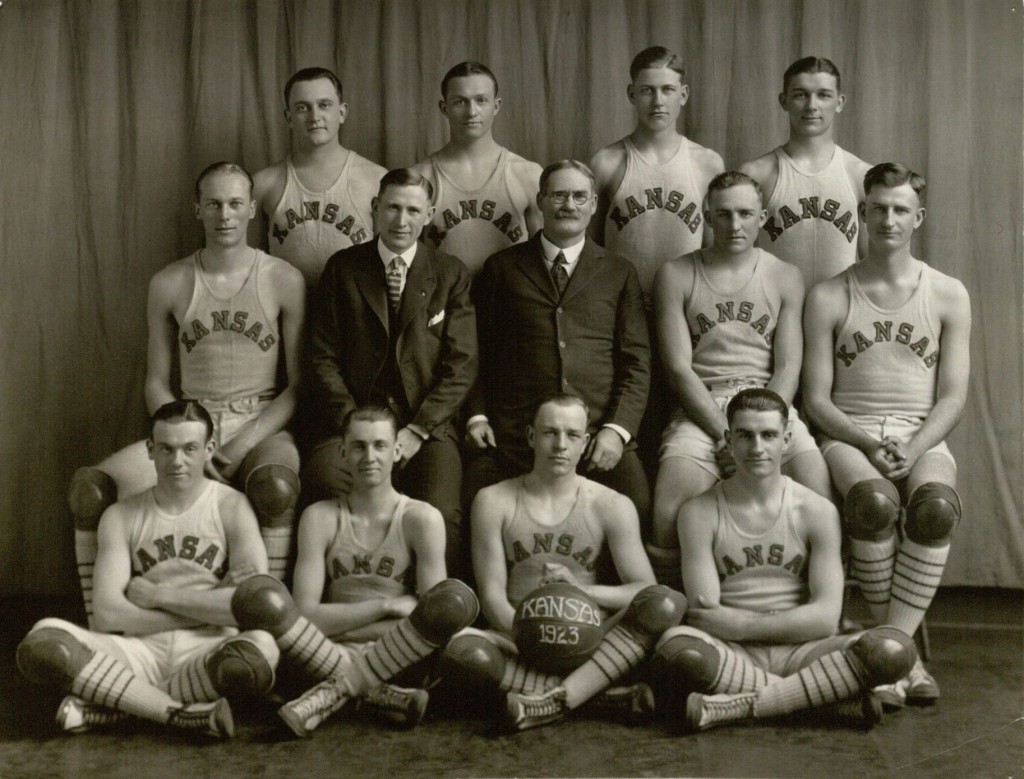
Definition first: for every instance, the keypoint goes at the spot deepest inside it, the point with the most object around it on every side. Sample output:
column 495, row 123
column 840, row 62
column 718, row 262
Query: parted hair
column 406, row 177
column 183, row 411
column 757, row 399
column 218, row 168
column 311, row 74
column 894, row 174
column 733, row 178
column 811, row 65
column 464, row 69
column 369, row 414
column 657, row 57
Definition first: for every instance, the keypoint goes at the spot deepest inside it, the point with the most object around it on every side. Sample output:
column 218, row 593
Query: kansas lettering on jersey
column 362, row 565
column 883, row 333
column 545, row 543
column 730, row 312
column 194, row 331
column 163, row 549
column 811, row 208
column 653, row 199
column 506, row 224
column 317, row 211
column 755, row 557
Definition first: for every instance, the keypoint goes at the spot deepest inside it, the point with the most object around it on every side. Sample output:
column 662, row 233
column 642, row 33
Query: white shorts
column 877, row 426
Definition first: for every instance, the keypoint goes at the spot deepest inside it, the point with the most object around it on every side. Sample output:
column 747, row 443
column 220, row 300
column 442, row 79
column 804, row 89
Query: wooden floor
column 976, row 730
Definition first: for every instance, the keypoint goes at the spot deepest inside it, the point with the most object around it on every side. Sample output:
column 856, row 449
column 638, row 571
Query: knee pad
column 90, row 493
column 687, row 658
column 473, row 659
column 871, row 509
column 273, row 491
column 52, row 656
column 884, row 654
column 444, row 610
column 240, row 668
column 654, row 610
column 262, row 602
column 933, row 512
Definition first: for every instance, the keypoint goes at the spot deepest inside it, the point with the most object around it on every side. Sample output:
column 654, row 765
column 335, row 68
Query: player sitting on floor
column 374, row 549
column 764, row 579
column 165, row 571
column 223, row 314
column 885, row 380
column 551, row 525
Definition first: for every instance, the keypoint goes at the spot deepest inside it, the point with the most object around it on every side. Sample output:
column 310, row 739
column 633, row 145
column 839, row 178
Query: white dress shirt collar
column 572, row 253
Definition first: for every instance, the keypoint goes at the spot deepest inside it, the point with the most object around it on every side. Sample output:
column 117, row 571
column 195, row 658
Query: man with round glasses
column 559, row 314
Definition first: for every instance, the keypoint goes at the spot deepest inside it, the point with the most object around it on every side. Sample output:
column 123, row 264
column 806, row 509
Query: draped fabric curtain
column 110, row 109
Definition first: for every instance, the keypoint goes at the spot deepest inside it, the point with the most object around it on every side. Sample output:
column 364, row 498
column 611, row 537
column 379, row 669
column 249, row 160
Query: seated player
column 764, row 580
column 728, row 317
column 229, row 310
column 885, row 381
column 166, row 567
column 378, row 558
column 510, row 521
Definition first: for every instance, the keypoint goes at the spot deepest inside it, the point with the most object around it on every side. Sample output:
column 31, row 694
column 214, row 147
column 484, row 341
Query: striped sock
column 918, row 573
column 395, row 651
column 736, row 674
column 828, row 679
column 871, row 564
column 85, row 555
column 107, row 682
column 619, row 652
column 308, row 647
column 191, row 683
column 278, row 541
column 519, row 678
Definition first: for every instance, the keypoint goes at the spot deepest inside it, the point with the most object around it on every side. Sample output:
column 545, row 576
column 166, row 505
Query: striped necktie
column 559, row 274
column 396, row 275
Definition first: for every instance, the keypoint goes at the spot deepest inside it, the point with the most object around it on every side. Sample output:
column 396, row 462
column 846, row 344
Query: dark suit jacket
column 593, row 343
column 347, row 340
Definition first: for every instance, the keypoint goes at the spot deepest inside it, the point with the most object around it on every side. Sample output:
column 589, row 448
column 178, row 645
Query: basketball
column 557, row 627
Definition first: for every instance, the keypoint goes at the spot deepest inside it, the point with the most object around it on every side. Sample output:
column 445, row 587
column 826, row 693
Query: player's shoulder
column 947, row 289
column 781, row 273
column 609, row 159
column 604, row 501
column 830, row 292
column 425, row 167
column 522, row 167
column 268, row 179
column 805, row 499
column 281, row 272
column 855, row 167
column 322, row 515
column 707, row 159
column 699, row 511
column 762, row 168
column 418, row 515
column 677, row 270
column 227, row 497
column 495, row 502
column 365, row 168
column 173, row 276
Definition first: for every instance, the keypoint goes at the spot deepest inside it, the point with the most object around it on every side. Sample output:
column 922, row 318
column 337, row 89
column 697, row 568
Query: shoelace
column 320, row 698
column 718, row 710
column 192, row 718
column 542, row 707
column 389, row 697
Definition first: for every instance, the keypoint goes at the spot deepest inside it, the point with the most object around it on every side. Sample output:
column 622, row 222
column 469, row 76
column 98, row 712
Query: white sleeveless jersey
column 732, row 333
column 655, row 214
column 184, row 551
column 228, row 347
column 886, row 362
column 308, row 227
column 812, row 218
column 764, row 572
column 474, row 224
column 356, row 573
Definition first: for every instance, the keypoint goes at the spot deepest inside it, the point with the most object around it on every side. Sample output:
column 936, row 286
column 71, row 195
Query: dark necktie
column 396, row 273
column 559, row 274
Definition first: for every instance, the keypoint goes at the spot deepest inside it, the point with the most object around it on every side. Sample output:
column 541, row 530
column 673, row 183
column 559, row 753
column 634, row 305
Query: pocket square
column 436, row 319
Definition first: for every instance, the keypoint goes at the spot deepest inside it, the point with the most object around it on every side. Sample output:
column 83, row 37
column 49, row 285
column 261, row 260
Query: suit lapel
column 588, row 266
column 419, row 286
column 531, row 264
column 372, row 284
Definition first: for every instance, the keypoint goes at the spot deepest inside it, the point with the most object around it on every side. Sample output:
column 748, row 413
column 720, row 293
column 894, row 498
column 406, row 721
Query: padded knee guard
column 240, row 668
column 444, row 610
column 262, row 602
column 472, row 659
column 884, row 655
column 90, row 494
column 871, row 510
column 933, row 512
column 273, row 491
column 688, row 660
column 654, row 610
column 52, row 656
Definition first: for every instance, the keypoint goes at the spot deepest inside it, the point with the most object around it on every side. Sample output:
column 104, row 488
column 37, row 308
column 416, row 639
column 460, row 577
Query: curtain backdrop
column 110, row 109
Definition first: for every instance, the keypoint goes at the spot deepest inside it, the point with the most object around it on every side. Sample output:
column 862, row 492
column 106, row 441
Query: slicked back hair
column 464, row 69
column 218, row 168
column 894, row 174
column 311, row 74
column 369, row 414
column 657, row 57
column 730, row 179
column 757, row 399
column 183, row 411
column 811, row 65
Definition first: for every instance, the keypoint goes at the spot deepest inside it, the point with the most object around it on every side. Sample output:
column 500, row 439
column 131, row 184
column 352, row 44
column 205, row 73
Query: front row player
column 762, row 571
column 551, row 525
column 885, row 380
column 375, row 549
column 165, row 569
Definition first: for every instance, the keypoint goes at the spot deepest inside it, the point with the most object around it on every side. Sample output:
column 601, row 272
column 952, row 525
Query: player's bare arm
column 609, row 166
column 424, row 531
column 526, row 174
column 163, row 312
column 267, row 189
column 488, row 513
column 856, row 168
column 788, row 344
column 283, row 288
column 113, row 612
column 317, row 528
column 617, row 516
column 695, row 527
column 765, row 171
column 673, row 285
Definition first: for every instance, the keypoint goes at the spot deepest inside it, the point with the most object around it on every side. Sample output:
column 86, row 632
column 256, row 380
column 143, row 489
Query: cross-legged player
column 484, row 194
column 317, row 200
column 885, row 380
column 513, row 524
column 222, row 316
column 813, row 186
column 764, row 579
column 370, row 594
column 728, row 317
column 163, row 647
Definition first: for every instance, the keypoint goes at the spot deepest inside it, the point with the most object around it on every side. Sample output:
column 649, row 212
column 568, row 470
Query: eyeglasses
column 580, row 197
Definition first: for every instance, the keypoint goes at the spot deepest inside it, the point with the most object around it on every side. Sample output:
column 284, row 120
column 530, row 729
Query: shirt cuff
column 623, row 434
column 418, row 431
column 474, row 419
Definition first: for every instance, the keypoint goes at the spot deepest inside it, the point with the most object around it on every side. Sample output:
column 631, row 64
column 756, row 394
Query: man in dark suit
column 391, row 323
column 559, row 314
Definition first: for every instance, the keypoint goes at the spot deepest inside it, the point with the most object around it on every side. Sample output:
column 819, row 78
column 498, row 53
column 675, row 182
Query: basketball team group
column 594, row 440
